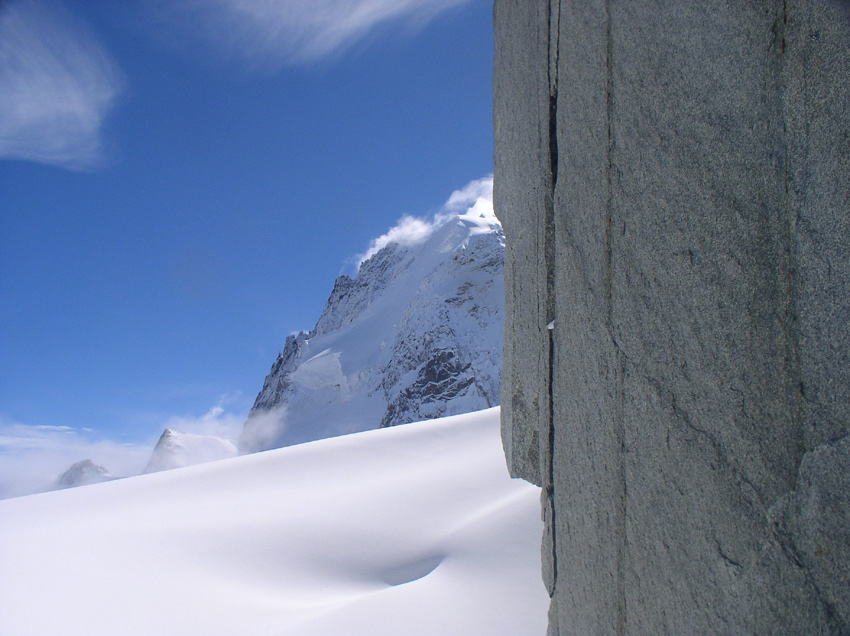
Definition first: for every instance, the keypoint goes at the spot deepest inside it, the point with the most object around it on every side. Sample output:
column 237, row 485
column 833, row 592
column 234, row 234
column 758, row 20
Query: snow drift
column 414, row 530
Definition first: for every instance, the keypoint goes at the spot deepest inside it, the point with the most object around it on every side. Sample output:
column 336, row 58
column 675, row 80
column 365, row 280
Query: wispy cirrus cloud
column 298, row 31
column 57, row 84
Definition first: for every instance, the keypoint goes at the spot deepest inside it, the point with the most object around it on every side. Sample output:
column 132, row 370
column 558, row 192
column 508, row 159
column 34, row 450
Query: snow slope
column 412, row 530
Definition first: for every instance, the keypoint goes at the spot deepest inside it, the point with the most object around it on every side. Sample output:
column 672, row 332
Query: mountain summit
column 82, row 474
column 176, row 449
column 416, row 335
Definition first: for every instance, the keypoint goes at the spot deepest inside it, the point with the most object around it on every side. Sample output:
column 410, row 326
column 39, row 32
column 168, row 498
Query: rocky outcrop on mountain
column 416, row 335
column 82, row 474
column 351, row 296
column 442, row 354
column 673, row 181
column 176, row 449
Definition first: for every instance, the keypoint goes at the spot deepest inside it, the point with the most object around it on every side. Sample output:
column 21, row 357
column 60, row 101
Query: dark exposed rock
column 276, row 382
column 440, row 379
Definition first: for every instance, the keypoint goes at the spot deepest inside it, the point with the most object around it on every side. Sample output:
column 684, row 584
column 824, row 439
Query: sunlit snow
column 412, row 530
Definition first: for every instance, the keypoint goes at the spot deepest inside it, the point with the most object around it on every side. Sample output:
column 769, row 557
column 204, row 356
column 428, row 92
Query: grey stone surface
column 674, row 183
column 817, row 85
column 521, row 115
column 816, row 525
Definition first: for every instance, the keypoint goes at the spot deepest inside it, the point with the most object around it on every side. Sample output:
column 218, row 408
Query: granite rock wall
column 673, row 178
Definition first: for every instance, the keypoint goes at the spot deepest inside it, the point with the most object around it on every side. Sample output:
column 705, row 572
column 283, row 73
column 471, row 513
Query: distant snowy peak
column 416, row 335
column 82, row 474
column 176, row 449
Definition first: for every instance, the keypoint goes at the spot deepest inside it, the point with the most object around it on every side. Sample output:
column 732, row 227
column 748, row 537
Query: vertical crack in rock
column 550, row 474
column 549, row 258
column 549, row 236
column 609, row 203
column 554, row 53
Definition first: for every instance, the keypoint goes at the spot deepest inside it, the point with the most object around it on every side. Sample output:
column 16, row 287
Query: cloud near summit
column 297, row 31
column 475, row 198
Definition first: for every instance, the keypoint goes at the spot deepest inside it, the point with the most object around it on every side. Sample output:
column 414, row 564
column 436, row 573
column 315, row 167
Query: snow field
column 409, row 531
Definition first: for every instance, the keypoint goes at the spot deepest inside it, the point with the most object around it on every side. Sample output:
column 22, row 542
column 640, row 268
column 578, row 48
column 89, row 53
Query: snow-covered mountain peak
column 82, row 474
column 415, row 335
column 176, row 449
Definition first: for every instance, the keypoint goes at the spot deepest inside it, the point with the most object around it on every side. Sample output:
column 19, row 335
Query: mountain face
column 416, row 335
column 176, row 449
column 82, row 474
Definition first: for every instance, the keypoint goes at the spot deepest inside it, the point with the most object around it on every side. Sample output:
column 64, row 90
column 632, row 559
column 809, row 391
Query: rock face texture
column 673, row 179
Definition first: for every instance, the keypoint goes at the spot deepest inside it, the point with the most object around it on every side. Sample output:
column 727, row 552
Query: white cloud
column 410, row 230
column 263, row 429
column 475, row 198
column 32, row 457
column 216, row 422
column 301, row 30
column 57, row 85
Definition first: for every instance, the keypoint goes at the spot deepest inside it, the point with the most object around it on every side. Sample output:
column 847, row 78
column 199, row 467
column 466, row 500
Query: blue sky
column 182, row 180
